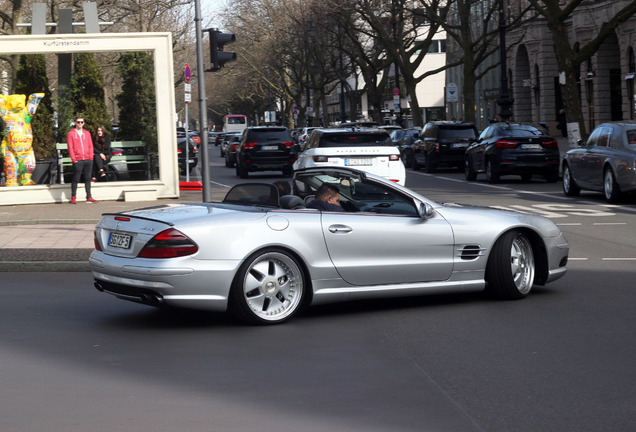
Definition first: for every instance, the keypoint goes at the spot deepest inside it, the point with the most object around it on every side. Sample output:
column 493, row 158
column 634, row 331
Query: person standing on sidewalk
column 80, row 149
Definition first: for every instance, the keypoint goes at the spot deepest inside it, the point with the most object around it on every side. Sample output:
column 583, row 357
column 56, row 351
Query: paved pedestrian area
column 47, row 236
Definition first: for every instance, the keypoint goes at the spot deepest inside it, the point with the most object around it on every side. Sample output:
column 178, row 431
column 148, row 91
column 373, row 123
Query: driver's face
column 334, row 199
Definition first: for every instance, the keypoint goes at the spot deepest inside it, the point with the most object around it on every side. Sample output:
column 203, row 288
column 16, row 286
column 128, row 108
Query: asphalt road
column 561, row 360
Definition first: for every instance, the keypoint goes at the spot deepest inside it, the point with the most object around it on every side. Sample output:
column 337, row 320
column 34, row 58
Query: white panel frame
column 160, row 44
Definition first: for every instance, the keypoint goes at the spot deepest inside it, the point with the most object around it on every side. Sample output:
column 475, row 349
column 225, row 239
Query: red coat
column 79, row 148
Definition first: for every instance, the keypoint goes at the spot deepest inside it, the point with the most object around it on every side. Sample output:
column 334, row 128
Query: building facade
column 606, row 80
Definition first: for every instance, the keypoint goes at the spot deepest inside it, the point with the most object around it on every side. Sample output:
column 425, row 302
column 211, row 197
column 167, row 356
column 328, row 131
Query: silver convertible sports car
column 264, row 256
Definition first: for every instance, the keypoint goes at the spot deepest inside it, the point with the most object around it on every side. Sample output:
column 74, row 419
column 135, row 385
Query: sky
column 208, row 8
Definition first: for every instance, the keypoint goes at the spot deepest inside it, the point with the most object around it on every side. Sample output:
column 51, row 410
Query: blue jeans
column 85, row 168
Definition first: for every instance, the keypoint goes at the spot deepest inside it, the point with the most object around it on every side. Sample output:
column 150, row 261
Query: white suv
column 369, row 150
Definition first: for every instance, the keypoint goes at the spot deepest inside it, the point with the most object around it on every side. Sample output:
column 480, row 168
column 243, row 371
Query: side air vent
column 470, row 252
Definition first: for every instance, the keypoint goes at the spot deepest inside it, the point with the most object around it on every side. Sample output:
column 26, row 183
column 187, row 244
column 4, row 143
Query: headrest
column 291, row 202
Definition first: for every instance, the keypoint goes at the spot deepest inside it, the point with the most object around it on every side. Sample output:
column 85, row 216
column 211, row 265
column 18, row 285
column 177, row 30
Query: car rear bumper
column 185, row 283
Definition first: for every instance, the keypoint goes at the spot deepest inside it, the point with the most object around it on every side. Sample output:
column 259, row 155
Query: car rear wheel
column 511, row 267
column 269, row 288
column 241, row 171
column 610, row 186
column 491, row 173
column 429, row 166
column 570, row 188
column 469, row 170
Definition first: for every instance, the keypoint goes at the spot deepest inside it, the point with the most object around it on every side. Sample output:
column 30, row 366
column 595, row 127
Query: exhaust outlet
column 99, row 286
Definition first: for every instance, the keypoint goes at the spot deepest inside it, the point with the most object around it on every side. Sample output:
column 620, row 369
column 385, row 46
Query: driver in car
column 327, row 199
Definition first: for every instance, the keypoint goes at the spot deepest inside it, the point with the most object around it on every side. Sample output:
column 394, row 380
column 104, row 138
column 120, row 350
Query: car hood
column 461, row 214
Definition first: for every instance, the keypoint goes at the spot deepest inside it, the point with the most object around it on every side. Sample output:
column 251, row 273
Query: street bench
column 133, row 157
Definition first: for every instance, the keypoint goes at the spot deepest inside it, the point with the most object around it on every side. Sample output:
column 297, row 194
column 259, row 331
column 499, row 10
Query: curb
column 44, row 260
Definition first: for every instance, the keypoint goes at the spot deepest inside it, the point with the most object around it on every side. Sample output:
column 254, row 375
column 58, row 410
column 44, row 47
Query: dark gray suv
column 443, row 143
column 265, row 148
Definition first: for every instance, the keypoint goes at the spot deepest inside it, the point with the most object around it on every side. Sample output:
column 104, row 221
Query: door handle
column 340, row 229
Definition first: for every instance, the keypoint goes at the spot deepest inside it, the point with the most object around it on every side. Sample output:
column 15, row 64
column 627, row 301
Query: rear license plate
column 358, row 162
column 460, row 145
column 531, row 146
column 272, row 147
column 119, row 240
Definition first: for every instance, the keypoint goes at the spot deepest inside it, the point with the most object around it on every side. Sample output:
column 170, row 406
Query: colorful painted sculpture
column 17, row 143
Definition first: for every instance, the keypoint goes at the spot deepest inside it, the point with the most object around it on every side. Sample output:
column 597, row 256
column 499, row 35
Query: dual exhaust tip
column 149, row 299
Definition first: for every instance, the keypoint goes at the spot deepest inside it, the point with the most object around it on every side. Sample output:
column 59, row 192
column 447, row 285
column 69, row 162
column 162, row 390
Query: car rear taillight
column 169, row 243
column 179, row 151
column 394, row 157
column 436, row 147
column 117, row 153
column 250, row 145
column 97, row 245
column 234, row 147
column 550, row 143
column 288, row 144
column 506, row 144
column 320, row 158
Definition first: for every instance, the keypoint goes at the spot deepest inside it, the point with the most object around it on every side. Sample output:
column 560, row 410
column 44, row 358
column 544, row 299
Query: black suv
column 265, row 148
column 442, row 143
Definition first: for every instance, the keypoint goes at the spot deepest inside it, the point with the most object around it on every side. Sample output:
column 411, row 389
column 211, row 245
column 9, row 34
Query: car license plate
column 531, row 146
column 270, row 147
column 460, row 145
column 119, row 240
column 358, row 162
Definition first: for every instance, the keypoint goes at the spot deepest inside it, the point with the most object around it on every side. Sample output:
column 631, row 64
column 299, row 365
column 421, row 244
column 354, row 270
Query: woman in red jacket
column 80, row 149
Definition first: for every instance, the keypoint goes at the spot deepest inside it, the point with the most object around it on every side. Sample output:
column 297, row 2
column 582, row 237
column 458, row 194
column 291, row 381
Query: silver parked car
column 264, row 256
column 606, row 162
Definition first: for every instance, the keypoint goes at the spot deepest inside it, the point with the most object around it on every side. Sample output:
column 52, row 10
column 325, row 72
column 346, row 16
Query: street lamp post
column 504, row 101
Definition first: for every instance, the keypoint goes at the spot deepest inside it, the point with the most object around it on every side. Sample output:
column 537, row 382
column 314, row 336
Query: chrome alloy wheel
column 522, row 264
column 272, row 287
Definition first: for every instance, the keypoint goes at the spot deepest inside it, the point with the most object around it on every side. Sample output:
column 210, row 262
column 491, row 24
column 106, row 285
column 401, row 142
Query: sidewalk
column 59, row 237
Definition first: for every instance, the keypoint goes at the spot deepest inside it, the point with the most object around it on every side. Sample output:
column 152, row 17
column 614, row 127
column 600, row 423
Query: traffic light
column 218, row 57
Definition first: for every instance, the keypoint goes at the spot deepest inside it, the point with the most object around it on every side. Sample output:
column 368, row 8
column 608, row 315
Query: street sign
column 187, row 73
column 188, row 98
column 396, row 91
column 451, row 92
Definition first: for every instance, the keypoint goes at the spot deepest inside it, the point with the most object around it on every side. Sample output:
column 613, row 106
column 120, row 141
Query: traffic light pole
column 203, row 109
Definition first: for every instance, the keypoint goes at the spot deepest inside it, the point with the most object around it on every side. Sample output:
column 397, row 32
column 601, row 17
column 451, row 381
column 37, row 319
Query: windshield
column 519, row 131
column 456, row 133
column 355, row 140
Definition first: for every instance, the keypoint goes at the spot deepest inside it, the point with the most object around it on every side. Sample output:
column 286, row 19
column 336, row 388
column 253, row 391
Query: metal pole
column 203, row 109
column 504, row 100
column 187, row 142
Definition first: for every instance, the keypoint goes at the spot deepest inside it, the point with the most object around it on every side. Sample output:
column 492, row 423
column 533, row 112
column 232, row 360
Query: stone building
column 606, row 80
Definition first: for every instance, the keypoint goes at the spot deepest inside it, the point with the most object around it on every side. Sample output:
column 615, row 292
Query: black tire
column 611, row 190
column 429, row 166
column 511, row 267
column 469, row 170
column 570, row 188
column 288, row 171
column 241, row 171
column 269, row 288
column 492, row 175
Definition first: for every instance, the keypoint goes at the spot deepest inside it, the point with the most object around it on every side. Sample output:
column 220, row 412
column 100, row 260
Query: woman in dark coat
column 102, row 150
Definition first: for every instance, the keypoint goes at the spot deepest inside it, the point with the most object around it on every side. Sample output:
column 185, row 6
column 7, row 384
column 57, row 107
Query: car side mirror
column 425, row 210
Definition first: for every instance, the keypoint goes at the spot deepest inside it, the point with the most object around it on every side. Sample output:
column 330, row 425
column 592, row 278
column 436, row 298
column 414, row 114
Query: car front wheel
column 268, row 289
column 511, row 267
